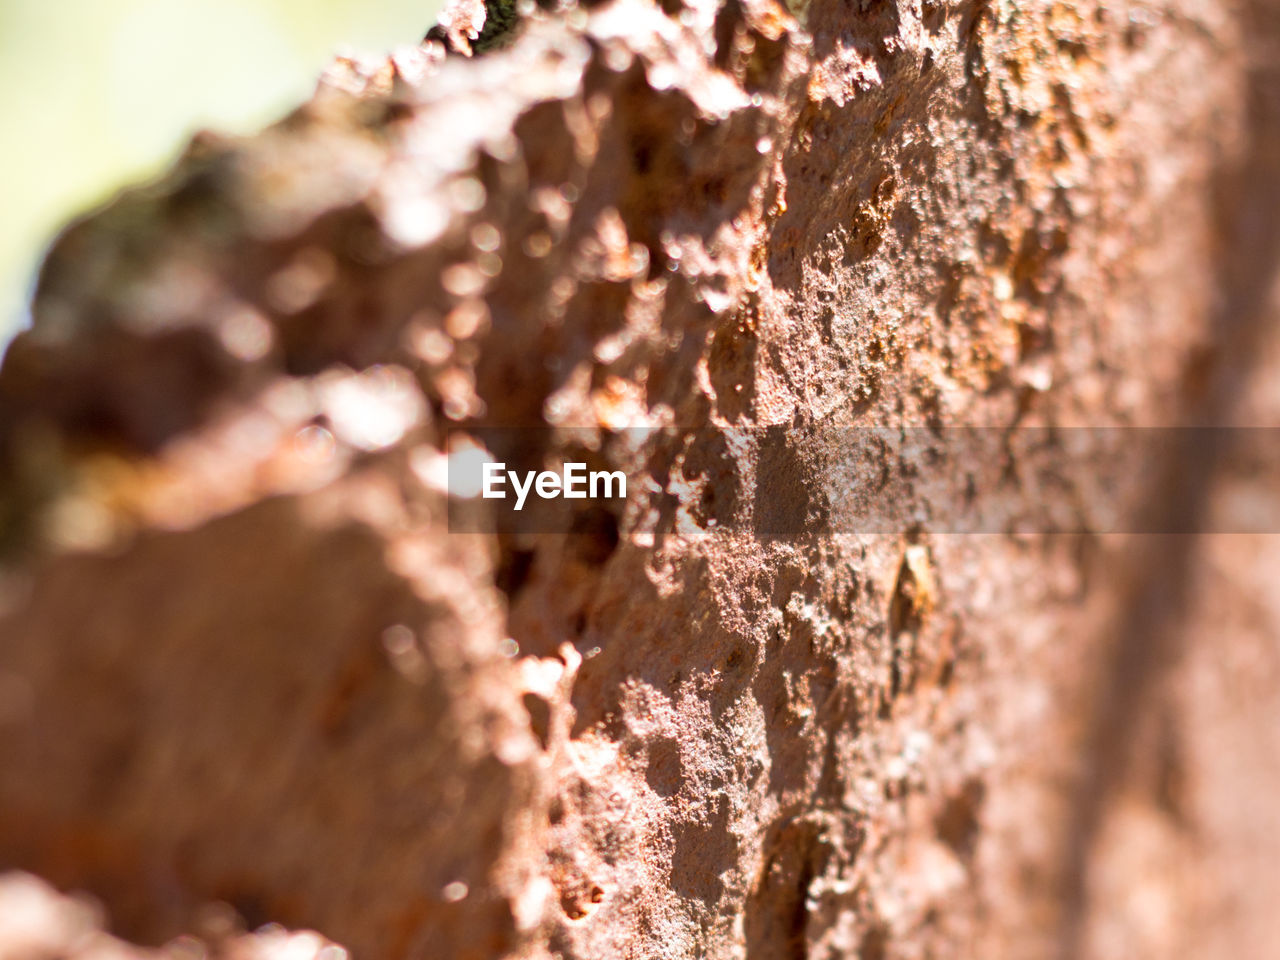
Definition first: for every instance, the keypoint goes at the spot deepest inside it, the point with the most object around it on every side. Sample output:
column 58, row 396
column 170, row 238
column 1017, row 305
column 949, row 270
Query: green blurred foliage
column 97, row 93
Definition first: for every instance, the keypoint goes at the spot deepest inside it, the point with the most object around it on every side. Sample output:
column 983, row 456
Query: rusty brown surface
column 38, row 923
column 245, row 661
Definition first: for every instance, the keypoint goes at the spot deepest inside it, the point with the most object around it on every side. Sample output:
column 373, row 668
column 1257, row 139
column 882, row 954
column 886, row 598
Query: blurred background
column 95, row 94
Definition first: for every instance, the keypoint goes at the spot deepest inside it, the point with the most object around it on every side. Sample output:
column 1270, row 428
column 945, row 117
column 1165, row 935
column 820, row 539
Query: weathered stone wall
column 244, row 660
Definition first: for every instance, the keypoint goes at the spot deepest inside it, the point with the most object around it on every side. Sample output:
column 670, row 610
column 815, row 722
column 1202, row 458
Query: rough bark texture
column 243, row 659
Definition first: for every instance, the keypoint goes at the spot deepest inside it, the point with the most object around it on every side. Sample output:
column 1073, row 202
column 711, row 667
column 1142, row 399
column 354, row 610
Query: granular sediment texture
column 244, row 661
